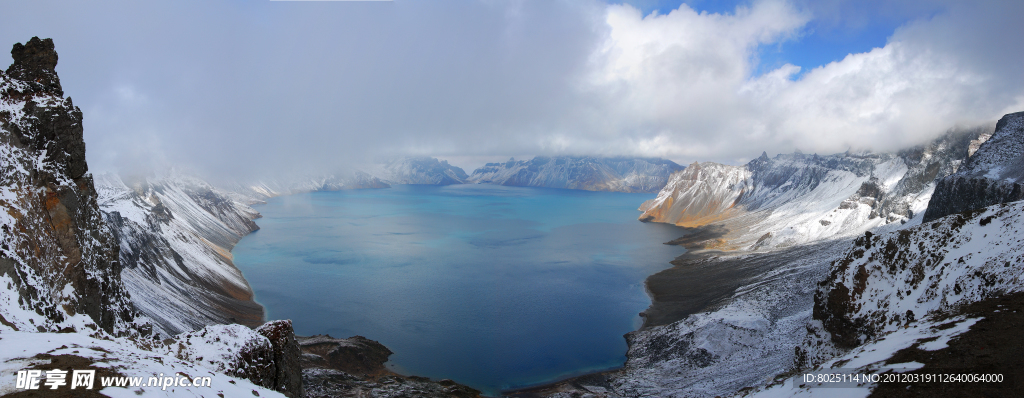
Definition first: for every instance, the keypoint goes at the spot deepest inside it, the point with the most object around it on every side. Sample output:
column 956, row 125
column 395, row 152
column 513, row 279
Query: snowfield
column 123, row 357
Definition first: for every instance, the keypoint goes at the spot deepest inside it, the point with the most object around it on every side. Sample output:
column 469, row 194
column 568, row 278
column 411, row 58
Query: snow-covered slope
column 797, row 198
column 175, row 235
column 588, row 173
column 709, row 192
column 131, row 370
column 884, row 282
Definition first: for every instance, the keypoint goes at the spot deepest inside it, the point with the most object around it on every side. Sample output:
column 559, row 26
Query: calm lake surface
column 494, row 287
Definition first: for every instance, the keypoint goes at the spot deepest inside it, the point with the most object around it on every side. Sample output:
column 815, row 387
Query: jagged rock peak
column 60, row 256
column 991, row 175
column 36, row 62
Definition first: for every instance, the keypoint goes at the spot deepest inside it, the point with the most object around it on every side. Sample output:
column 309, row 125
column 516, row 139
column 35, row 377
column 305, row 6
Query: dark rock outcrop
column 267, row 356
column 994, row 174
column 287, row 369
column 55, row 237
column 355, row 355
column 35, row 63
column 354, row 367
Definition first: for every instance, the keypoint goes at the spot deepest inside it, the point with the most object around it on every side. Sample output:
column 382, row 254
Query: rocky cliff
column 994, row 174
column 58, row 258
column 74, row 280
column 572, row 172
column 886, row 282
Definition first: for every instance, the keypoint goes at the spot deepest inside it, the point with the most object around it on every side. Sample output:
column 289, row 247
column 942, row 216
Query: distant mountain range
column 616, row 174
column 580, row 172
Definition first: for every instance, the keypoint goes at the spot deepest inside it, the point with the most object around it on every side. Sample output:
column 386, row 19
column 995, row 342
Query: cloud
column 681, row 85
column 251, row 87
column 676, row 78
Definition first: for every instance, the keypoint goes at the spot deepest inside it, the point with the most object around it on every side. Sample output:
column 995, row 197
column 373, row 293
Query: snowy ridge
column 175, row 234
column 891, row 291
column 587, row 173
column 698, row 195
column 794, row 199
column 1001, row 157
column 774, row 323
column 420, row 170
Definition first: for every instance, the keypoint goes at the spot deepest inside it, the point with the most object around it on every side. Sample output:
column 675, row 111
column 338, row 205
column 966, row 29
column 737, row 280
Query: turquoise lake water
column 494, row 287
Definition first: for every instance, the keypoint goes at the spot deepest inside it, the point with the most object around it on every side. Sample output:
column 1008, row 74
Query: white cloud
column 684, row 81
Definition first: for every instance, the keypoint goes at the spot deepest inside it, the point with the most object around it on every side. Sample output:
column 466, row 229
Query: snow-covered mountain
column 176, row 233
column 579, row 172
column 796, row 198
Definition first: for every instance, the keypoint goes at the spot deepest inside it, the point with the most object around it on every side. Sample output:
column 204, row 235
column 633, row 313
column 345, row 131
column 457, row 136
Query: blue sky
column 822, row 40
column 256, row 86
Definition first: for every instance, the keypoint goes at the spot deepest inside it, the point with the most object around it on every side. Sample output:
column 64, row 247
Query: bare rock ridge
column 56, row 249
column 994, row 174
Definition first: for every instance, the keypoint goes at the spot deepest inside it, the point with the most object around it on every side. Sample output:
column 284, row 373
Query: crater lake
column 491, row 286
